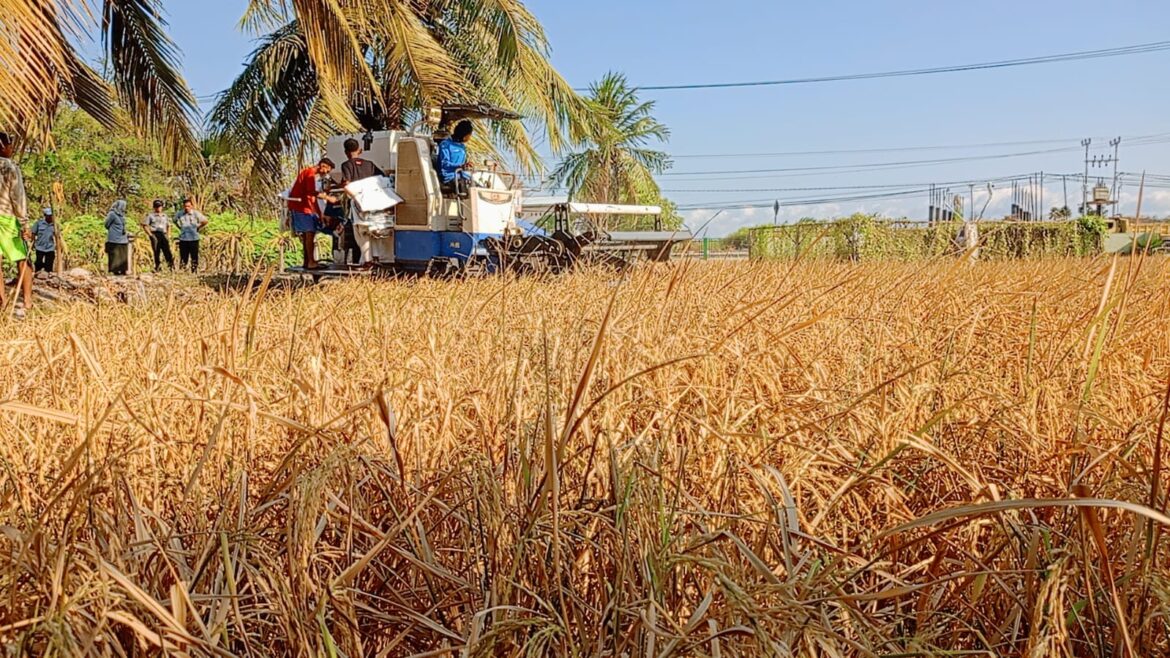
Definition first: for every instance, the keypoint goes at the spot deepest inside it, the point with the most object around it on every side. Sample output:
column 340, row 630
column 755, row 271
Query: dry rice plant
column 814, row 459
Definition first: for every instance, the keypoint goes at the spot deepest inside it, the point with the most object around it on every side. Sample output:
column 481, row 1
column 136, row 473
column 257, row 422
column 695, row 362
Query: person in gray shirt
column 117, row 239
column 158, row 227
column 45, row 241
column 190, row 222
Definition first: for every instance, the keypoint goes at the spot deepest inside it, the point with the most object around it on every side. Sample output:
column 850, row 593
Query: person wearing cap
column 44, row 233
column 14, row 233
column 158, row 226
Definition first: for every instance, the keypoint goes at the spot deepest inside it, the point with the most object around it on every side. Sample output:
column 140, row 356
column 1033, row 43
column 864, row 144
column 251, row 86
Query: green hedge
column 865, row 237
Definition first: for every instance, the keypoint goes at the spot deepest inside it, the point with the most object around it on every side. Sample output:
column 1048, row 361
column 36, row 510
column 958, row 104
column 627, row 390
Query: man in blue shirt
column 453, row 156
column 45, row 241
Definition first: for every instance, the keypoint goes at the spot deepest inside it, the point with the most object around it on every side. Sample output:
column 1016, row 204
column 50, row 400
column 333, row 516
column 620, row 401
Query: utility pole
column 1085, row 181
column 776, row 213
column 1040, row 216
column 1115, row 195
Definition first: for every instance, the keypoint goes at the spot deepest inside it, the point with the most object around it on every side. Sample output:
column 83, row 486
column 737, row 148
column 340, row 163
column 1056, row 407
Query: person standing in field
column 158, row 226
column 305, row 214
column 117, row 239
column 190, row 223
column 44, row 233
column 355, row 168
column 14, row 234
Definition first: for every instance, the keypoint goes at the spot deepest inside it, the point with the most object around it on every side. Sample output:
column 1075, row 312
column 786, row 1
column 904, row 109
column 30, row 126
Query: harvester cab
column 407, row 220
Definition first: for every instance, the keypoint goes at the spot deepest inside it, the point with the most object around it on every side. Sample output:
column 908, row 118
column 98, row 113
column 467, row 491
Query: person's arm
column 109, row 220
column 460, row 162
column 203, row 221
column 20, row 204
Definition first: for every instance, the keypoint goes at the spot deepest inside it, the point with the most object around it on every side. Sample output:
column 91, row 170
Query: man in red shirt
column 302, row 205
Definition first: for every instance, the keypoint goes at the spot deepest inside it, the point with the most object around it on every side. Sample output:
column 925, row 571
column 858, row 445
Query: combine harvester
column 404, row 222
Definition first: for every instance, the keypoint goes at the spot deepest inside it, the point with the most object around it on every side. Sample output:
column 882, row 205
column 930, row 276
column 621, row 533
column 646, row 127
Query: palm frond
column 379, row 64
column 335, row 47
column 265, row 113
column 262, row 16
column 91, row 93
column 144, row 62
column 34, row 56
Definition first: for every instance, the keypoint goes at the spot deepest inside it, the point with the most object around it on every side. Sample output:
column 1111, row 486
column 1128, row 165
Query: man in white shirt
column 158, row 227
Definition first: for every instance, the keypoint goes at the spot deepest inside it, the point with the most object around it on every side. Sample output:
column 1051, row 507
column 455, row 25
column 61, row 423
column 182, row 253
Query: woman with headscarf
column 117, row 240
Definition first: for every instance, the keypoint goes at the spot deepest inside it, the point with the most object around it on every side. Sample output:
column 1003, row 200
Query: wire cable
column 1136, row 49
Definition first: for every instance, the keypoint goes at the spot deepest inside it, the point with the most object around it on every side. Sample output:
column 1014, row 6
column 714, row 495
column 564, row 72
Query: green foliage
column 230, row 242
column 1092, row 231
column 738, row 239
column 867, row 237
column 89, row 167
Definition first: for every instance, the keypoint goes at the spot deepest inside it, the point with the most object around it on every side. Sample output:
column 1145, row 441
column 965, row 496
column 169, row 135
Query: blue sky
column 687, row 41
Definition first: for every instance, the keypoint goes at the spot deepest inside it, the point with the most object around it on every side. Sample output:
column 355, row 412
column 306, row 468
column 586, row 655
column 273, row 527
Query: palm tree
column 616, row 165
column 324, row 68
column 42, row 68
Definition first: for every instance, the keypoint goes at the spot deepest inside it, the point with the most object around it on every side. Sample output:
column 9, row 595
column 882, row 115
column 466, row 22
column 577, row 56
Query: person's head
column 119, row 207
column 463, row 131
column 7, row 145
column 158, row 205
column 188, row 205
column 325, row 167
column 352, row 148
column 48, row 213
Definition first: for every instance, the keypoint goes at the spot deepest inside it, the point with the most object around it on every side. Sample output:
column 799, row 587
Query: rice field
column 700, row 459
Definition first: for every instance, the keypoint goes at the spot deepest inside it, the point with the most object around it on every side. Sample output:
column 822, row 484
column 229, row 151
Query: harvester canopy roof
column 540, row 206
column 453, row 113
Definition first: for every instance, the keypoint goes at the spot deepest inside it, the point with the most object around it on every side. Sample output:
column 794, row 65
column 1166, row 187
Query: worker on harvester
column 304, row 211
column 355, row 168
column 452, row 159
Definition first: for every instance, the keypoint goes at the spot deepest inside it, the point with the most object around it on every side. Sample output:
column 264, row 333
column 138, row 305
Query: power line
column 877, row 166
column 841, row 187
column 898, row 149
column 911, row 191
column 874, row 165
column 1136, row 49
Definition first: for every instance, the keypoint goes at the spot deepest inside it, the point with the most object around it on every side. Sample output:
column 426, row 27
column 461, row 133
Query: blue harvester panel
column 456, row 245
column 415, row 247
